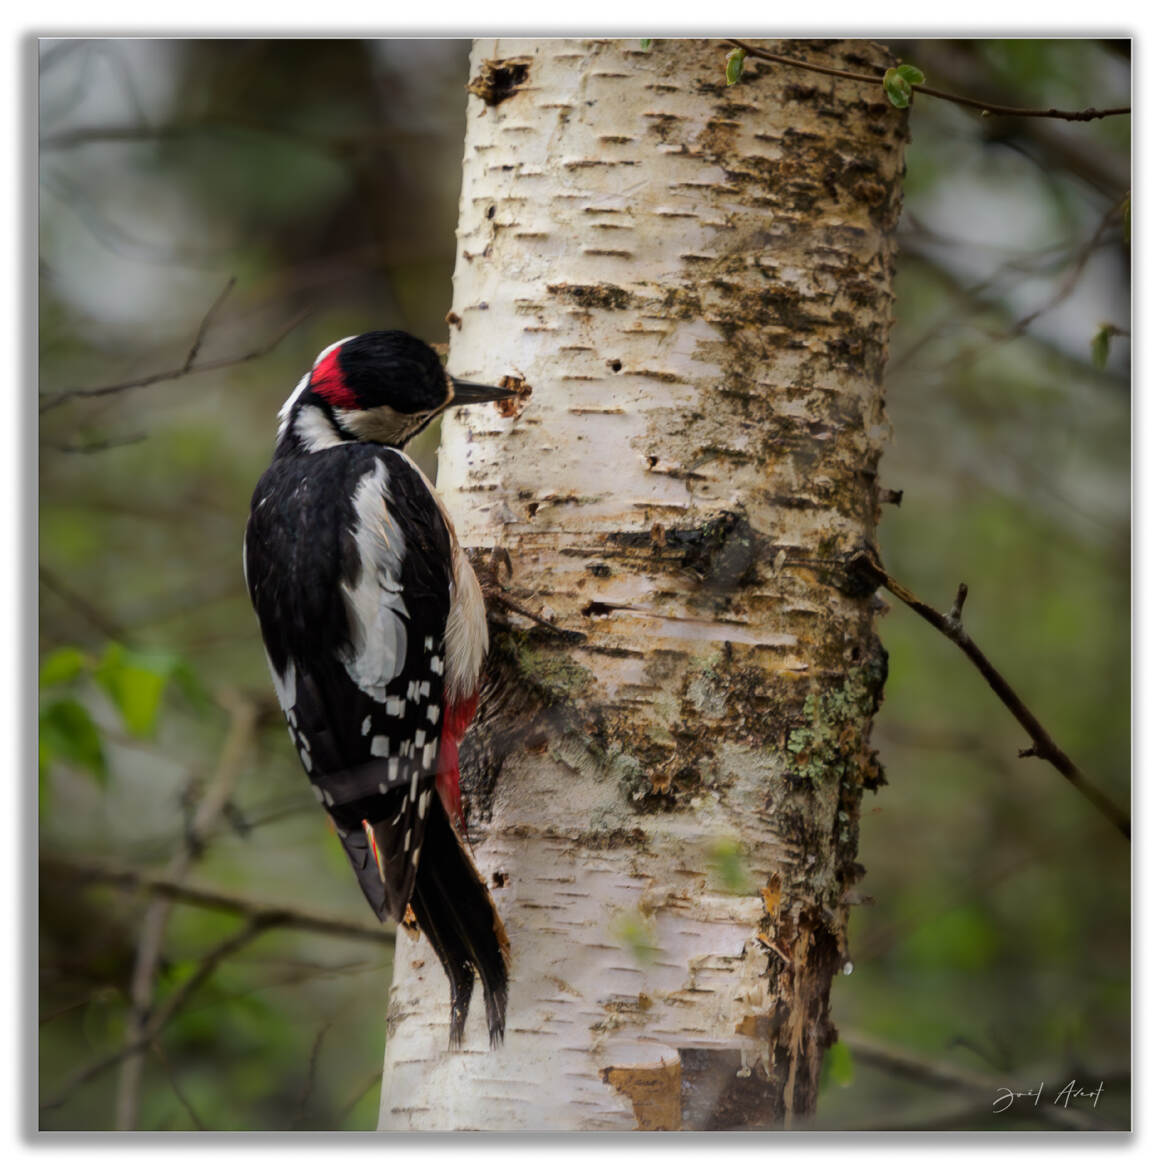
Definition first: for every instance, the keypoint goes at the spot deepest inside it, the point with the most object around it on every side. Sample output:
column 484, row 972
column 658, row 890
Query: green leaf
column 67, row 732
column 897, row 88
column 135, row 682
column 63, row 665
column 1099, row 347
column 911, row 73
column 735, row 65
column 838, row 1065
column 646, row 42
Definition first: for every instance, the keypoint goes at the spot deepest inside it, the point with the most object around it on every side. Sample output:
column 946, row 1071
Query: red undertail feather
column 456, row 718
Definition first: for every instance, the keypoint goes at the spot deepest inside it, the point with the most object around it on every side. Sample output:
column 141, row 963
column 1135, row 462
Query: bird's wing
column 365, row 712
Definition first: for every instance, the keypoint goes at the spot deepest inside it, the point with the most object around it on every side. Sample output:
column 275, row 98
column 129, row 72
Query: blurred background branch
column 1043, row 746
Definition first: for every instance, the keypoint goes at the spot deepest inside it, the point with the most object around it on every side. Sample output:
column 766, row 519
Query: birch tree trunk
column 695, row 282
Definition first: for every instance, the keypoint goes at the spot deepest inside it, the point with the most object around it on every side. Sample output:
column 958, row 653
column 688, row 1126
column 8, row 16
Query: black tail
column 456, row 913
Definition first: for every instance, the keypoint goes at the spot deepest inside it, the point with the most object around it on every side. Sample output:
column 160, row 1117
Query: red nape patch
column 329, row 382
column 455, row 721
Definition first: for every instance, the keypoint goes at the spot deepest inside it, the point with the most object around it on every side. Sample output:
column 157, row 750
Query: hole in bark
column 499, row 879
column 532, row 507
column 491, row 212
column 597, row 609
column 615, row 365
column 652, row 460
column 498, row 80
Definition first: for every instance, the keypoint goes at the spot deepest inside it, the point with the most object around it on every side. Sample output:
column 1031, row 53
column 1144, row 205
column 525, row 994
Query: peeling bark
column 695, row 281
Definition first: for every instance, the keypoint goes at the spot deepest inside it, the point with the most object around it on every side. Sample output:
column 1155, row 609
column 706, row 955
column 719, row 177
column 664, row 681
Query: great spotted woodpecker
column 375, row 631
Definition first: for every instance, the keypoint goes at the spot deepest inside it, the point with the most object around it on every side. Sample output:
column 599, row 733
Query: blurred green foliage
column 997, row 938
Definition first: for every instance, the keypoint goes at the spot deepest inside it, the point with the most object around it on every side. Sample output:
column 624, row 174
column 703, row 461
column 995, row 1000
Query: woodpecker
column 375, row 632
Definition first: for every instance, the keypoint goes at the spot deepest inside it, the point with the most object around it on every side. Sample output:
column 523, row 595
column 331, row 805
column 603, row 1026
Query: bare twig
column 983, row 107
column 1070, row 281
column 941, row 1075
column 205, row 324
column 104, row 624
column 93, row 446
column 1043, row 745
column 141, row 1023
column 52, row 401
column 165, row 1014
column 310, row 1076
column 96, row 872
column 160, row 1055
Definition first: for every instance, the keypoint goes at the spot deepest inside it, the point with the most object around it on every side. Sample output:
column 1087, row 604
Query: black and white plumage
column 375, row 632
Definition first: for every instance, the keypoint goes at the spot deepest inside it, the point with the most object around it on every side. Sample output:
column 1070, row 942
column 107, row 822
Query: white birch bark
column 695, row 282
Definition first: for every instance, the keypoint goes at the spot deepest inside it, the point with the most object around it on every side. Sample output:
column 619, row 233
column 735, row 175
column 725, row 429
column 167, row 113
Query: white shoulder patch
column 374, row 602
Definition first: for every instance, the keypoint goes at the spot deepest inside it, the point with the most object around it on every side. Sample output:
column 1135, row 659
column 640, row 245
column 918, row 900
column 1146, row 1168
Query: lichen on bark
column 695, row 282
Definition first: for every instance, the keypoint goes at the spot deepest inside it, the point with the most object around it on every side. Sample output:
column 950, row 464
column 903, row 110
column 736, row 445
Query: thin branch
column 973, row 300
column 311, row 1075
column 112, row 629
column 166, row 1013
column 983, row 107
column 940, row 1075
column 1070, row 281
column 201, row 332
column 1043, row 745
column 93, row 446
column 95, row 872
column 52, row 401
column 141, row 1021
column 160, row 1055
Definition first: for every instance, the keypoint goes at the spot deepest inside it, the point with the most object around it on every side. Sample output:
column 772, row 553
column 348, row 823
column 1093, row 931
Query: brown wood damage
column 695, row 282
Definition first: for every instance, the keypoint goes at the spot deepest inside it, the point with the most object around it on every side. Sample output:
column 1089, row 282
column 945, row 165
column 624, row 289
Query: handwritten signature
column 1006, row 1098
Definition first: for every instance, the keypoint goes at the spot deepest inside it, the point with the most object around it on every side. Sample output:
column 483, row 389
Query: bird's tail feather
column 456, row 913
column 361, row 856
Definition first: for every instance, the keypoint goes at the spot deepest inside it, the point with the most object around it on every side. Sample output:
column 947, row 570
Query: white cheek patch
column 315, row 430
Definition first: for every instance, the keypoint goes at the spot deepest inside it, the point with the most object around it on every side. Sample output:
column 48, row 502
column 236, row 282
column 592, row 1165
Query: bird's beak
column 466, row 393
